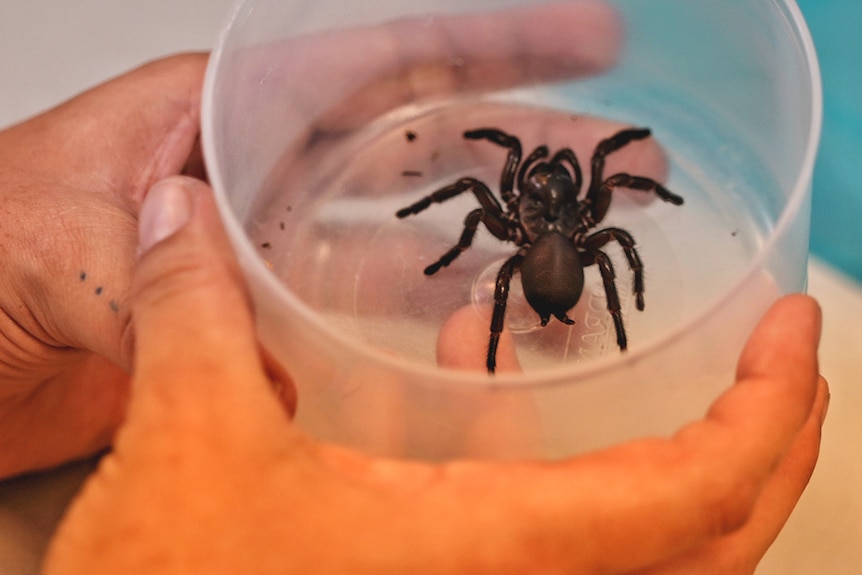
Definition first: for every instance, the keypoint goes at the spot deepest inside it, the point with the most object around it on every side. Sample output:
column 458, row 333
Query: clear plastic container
column 322, row 119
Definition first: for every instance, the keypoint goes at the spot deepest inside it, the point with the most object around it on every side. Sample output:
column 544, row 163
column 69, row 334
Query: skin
column 207, row 473
column 70, row 188
column 74, row 177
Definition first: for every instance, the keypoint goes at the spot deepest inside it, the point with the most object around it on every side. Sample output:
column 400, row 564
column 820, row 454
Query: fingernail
column 165, row 209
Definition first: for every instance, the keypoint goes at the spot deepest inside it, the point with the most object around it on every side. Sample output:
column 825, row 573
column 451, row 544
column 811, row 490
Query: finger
column 464, row 54
column 647, row 501
column 779, row 361
column 195, row 349
column 793, row 321
column 742, row 550
column 781, row 493
column 81, row 170
column 439, row 150
column 129, row 132
column 463, row 343
column 350, row 76
column 787, row 484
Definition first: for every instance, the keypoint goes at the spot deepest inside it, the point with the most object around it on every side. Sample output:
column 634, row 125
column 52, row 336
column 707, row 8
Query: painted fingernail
column 166, row 208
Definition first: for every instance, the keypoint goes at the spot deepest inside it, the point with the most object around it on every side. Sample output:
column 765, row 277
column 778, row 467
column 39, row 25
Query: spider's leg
column 471, row 224
column 611, row 145
column 493, row 221
column 501, row 296
column 480, row 190
column 598, row 197
column 567, row 155
column 601, row 238
column 538, row 154
column 606, row 268
column 643, row 185
column 501, row 138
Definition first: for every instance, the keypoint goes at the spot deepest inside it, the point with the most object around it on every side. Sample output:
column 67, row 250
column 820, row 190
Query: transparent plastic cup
column 322, row 119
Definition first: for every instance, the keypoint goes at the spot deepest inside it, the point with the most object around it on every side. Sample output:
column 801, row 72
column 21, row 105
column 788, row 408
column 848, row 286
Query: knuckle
column 183, row 271
column 730, row 504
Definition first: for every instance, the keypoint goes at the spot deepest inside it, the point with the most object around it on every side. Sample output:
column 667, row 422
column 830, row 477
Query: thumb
column 194, row 335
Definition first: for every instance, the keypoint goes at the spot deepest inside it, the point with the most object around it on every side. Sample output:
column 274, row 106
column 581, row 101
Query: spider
column 551, row 227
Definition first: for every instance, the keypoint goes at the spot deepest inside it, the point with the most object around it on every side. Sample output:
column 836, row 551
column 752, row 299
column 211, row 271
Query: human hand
column 73, row 179
column 208, row 474
column 70, row 186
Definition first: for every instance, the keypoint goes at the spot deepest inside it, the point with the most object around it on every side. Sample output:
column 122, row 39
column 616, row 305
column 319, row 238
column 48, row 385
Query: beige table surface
column 51, row 50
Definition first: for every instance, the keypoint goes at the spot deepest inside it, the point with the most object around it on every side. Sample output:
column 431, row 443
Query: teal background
column 836, row 26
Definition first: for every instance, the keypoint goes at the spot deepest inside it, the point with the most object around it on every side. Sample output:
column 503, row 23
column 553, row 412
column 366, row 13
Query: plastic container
column 322, row 119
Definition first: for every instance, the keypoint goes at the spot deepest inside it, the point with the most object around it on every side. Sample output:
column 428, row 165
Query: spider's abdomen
column 552, row 276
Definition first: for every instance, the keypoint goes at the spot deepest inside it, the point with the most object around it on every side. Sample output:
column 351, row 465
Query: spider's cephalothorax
column 542, row 214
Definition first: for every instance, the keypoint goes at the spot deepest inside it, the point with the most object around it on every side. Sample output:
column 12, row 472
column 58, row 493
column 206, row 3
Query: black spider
column 550, row 224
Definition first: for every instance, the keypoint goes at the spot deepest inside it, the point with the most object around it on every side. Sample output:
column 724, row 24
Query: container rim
column 251, row 262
